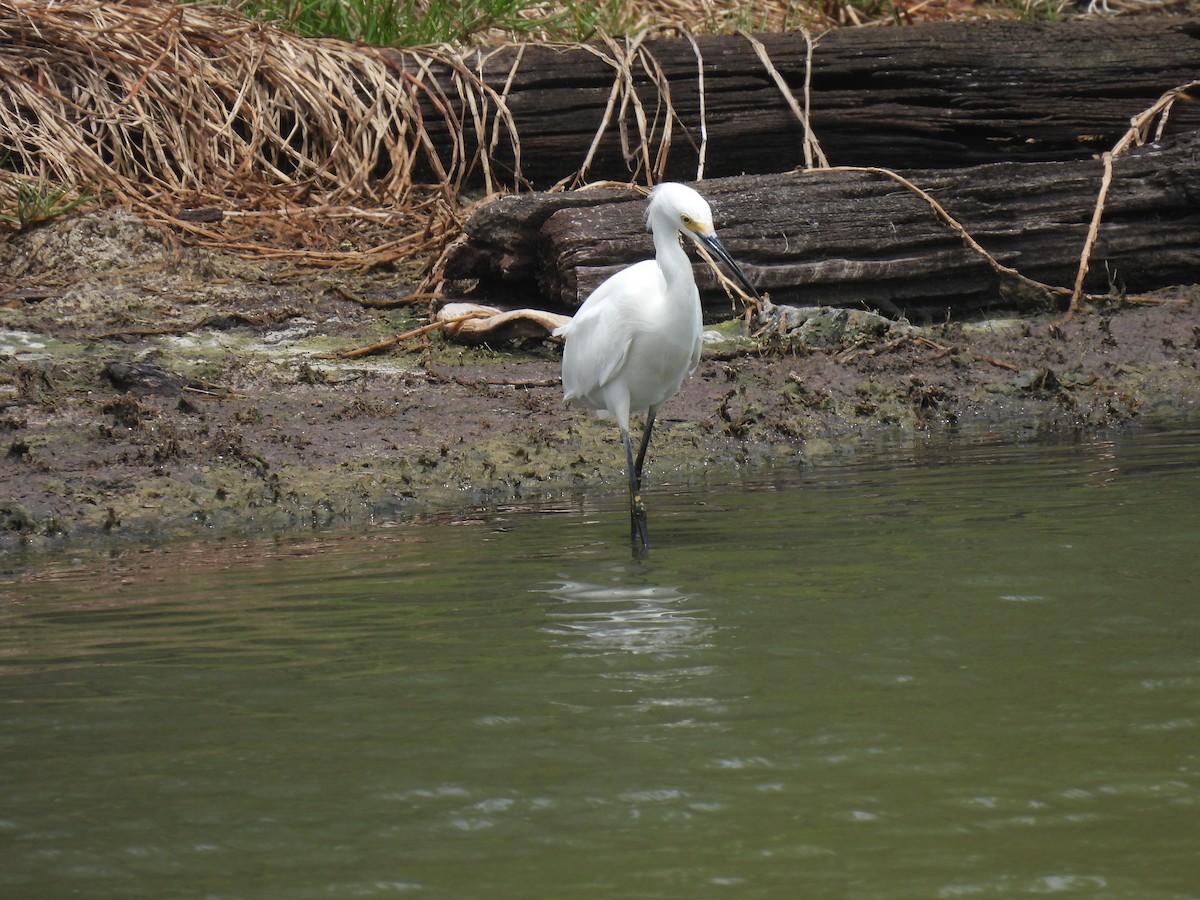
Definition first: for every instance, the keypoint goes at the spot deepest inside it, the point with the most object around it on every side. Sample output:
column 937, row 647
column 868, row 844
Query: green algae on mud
column 150, row 390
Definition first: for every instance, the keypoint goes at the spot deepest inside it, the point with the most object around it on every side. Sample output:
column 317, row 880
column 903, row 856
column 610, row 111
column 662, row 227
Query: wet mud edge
column 150, row 389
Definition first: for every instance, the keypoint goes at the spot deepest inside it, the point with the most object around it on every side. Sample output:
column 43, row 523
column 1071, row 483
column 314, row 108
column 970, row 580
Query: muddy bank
column 149, row 388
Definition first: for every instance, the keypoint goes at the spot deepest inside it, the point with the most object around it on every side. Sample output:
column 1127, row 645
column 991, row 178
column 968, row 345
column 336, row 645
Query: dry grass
column 286, row 141
column 170, row 107
column 257, row 140
column 150, row 99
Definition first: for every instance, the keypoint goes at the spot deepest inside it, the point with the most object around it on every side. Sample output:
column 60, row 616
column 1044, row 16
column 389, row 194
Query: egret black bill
column 713, row 245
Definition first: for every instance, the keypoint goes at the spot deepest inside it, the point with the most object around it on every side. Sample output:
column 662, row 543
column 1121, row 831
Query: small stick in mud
column 359, row 352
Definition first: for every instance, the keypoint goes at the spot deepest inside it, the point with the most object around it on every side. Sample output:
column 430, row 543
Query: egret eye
column 686, row 219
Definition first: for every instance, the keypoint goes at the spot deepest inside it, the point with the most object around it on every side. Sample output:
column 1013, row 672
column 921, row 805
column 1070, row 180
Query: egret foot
column 639, row 535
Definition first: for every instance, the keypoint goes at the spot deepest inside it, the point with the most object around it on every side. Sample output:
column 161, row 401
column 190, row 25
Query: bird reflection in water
column 633, row 619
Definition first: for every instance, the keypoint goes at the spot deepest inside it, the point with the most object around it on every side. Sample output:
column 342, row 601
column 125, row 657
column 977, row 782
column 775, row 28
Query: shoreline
column 147, row 387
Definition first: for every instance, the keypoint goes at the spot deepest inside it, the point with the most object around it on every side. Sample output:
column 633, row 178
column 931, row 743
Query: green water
column 972, row 673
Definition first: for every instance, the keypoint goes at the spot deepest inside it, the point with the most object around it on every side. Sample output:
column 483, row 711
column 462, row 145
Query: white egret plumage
column 637, row 336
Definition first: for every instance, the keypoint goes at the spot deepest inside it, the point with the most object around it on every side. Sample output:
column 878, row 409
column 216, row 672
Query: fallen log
column 944, row 94
column 856, row 238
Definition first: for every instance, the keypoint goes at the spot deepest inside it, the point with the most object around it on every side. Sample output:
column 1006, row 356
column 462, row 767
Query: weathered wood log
column 862, row 239
column 944, row 94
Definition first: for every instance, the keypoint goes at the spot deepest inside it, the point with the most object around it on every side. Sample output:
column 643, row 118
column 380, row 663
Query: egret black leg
column 641, row 457
column 639, row 538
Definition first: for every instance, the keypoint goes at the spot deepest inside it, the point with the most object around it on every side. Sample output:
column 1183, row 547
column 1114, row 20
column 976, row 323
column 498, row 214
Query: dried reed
column 167, row 106
column 1137, row 135
column 170, row 107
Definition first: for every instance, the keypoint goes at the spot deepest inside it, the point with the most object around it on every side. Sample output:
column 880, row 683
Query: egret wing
column 600, row 334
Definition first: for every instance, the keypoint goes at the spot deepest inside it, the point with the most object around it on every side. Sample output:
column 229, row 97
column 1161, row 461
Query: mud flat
column 152, row 389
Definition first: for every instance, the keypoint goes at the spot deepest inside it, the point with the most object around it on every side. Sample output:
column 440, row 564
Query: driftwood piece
column 946, row 94
column 471, row 323
column 853, row 238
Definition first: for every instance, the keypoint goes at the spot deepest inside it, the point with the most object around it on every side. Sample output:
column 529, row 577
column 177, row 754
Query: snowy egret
column 637, row 336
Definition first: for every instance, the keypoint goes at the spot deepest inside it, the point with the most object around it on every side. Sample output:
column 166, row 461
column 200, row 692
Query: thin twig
column 1134, row 135
column 407, row 300
column 702, row 151
column 401, row 338
column 812, row 149
column 955, row 226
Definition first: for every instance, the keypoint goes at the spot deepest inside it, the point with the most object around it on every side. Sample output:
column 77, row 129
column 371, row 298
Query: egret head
column 678, row 207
